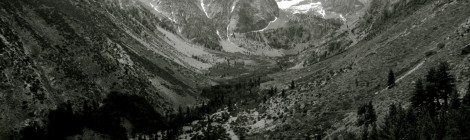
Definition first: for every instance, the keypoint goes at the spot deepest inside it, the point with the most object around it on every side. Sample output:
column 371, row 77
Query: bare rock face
column 208, row 21
column 325, row 8
column 255, row 15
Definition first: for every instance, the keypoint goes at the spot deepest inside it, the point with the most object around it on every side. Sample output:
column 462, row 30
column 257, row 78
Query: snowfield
column 301, row 6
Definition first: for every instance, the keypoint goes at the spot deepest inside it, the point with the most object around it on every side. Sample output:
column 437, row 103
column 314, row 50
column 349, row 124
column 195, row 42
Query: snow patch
column 287, row 4
column 204, row 8
column 275, row 19
column 228, row 34
column 342, row 18
column 295, row 7
column 233, row 6
column 298, row 66
column 218, row 34
column 156, row 9
column 307, row 7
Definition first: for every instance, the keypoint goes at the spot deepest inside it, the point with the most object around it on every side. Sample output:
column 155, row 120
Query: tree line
column 436, row 112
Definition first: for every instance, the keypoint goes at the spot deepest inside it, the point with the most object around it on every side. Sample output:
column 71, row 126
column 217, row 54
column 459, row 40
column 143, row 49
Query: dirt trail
column 411, row 71
column 405, row 75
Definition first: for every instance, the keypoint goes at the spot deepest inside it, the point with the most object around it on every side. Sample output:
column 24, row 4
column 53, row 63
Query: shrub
column 441, row 45
column 430, row 53
column 63, row 122
column 466, row 50
column 32, row 132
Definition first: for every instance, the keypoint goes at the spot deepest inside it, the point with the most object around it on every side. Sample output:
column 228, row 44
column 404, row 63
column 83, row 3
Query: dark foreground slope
column 78, row 51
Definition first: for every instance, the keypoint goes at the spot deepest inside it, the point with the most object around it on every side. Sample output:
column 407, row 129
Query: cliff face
column 342, row 9
column 255, row 15
column 208, row 21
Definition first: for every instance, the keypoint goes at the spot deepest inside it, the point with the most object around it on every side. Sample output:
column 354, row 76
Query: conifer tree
column 188, row 112
column 371, row 116
column 393, row 124
column 455, row 102
column 180, row 114
column 365, row 132
column 445, row 82
column 410, row 125
column 292, row 84
column 366, row 114
column 419, row 95
column 466, row 98
column 374, row 132
column 391, row 79
column 431, row 90
column 229, row 105
column 360, row 112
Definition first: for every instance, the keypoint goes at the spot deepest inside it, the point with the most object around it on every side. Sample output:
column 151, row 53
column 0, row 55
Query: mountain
column 234, row 69
column 236, row 26
column 210, row 21
column 334, row 78
column 342, row 9
column 78, row 51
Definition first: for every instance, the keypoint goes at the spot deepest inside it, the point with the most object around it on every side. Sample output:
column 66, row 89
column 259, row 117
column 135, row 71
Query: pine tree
column 188, row 112
column 366, row 114
column 361, row 117
column 393, row 124
column 292, row 84
column 283, row 93
column 445, row 82
column 371, row 116
column 365, row 132
column 466, row 98
column 374, row 132
column 432, row 95
column 391, row 79
column 410, row 125
column 229, row 105
column 180, row 115
column 419, row 95
column 455, row 102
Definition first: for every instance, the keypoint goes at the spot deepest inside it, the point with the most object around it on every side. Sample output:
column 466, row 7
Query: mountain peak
column 340, row 9
column 301, row 6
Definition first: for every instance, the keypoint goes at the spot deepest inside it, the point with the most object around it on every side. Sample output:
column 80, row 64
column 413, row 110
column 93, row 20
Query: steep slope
column 78, row 51
column 303, row 25
column 207, row 22
column 327, row 92
column 325, row 8
column 408, row 44
column 233, row 25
